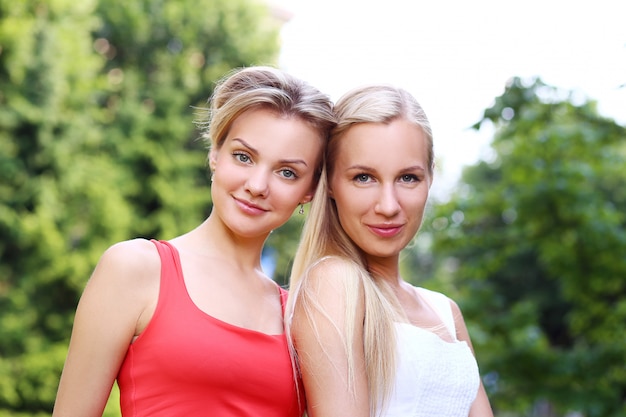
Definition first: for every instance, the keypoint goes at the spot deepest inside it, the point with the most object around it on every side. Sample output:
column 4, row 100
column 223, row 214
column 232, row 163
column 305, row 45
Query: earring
column 301, row 211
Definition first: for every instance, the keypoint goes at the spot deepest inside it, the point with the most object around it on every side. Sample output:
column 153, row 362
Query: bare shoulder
column 129, row 263
column 332, row 271
column 134, row 252
column 330, row 286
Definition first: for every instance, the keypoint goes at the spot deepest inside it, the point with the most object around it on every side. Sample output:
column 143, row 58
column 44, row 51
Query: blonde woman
column 192, row 326
column 369, row 343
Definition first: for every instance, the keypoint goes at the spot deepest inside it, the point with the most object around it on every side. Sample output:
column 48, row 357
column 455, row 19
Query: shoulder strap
column 441, row 304
column 171, row 270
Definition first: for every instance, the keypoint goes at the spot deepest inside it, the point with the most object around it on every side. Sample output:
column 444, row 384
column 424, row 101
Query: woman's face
column 380, row 183
column 263, row 170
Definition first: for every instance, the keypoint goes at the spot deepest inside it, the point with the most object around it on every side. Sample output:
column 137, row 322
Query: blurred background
column 526, row 227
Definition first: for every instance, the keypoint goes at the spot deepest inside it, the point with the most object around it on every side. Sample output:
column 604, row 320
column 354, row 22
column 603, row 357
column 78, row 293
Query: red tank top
column 187, row 363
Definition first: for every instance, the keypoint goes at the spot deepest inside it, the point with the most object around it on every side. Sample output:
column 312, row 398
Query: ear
column 308, row 197
column 212, row 159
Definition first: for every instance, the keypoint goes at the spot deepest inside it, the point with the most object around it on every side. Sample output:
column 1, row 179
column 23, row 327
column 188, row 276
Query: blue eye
column 288, row 173
column 362, row 178
column 241, row 157
column 409, row 178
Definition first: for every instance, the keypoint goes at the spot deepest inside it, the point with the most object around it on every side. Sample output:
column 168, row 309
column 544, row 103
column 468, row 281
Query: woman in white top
column 368, row 343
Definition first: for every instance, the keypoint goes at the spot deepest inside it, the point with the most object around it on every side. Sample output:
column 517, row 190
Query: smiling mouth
column 385, row 231
column 249, row 208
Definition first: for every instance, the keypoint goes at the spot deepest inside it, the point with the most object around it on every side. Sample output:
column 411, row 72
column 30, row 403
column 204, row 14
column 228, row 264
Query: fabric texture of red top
column 187, row 363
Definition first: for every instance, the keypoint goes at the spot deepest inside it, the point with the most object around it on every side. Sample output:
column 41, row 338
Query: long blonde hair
column 323, row 237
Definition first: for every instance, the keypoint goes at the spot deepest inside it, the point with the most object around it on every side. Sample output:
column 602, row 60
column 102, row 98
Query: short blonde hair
column 269, row 88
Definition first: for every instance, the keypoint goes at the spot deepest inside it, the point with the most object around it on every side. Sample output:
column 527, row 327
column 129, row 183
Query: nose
column 257, row 183
column 387, row 204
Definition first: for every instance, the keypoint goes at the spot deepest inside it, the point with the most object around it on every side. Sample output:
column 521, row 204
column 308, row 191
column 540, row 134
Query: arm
column 113, row 308
column 481, row 406
column 318, row 329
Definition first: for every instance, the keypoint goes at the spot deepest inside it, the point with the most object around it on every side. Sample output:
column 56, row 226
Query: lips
column 385, row 230
column 250, row 208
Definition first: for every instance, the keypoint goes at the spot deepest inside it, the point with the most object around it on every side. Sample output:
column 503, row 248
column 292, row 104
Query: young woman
column 368, row 342
column 192, row 326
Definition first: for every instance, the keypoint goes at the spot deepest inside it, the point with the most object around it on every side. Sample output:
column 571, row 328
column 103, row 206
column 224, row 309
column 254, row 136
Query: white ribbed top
column 434, row 377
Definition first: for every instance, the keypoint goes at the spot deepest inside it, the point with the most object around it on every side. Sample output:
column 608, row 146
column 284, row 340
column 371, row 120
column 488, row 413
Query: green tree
column 97, row 145
column 532, row 244
column 42, row 189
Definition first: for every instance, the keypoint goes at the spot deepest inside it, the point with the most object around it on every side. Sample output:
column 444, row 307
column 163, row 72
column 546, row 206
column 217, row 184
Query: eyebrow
column 359, row 167
column 367, row 168
column 256, row 152
column 414, row 168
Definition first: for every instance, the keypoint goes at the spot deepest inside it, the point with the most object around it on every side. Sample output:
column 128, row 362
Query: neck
column 387, row 269
column 212, row 237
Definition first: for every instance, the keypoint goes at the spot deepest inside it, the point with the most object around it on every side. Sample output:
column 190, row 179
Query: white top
column 434, row 377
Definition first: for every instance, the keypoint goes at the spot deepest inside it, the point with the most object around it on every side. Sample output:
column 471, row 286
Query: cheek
column 416, row 206
column 290, row 196
column 349, row 213
column 354, row 202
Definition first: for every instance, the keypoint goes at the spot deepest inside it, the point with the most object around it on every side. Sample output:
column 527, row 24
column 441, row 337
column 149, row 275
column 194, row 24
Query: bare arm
column 113, row 308
column 319, row 334
column 481, row 406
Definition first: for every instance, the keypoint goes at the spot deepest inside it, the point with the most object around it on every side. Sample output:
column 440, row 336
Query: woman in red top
column 193, row 326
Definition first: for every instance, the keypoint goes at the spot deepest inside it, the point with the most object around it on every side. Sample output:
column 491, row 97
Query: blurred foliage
column 97, row 145
column 532, row 245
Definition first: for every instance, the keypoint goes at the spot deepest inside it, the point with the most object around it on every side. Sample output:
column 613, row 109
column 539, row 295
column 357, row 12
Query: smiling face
column 380, row 183
column 264, row 168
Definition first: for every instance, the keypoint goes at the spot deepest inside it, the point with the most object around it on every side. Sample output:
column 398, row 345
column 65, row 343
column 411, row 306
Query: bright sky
column 456, row 56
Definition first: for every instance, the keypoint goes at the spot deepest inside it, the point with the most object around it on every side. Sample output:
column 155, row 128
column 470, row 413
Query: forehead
column 266, row 131
column 375, row 144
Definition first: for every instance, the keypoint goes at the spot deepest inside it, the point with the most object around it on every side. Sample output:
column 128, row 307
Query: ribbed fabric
column 434, row 377
column 187, row 363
